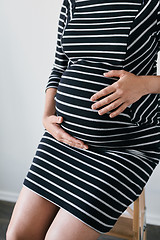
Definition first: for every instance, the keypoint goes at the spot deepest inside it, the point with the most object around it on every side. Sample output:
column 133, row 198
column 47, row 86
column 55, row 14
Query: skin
column 35, row 217
column 67, row 227
column 31, row 217
column 127, row 90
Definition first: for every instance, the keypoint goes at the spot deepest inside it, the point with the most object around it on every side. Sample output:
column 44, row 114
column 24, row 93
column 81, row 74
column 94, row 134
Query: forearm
column 49, row 108
column 152, row 83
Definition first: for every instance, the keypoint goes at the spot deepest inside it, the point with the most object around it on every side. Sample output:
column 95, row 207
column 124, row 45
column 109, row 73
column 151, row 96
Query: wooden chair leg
column 133, row 226
column 143, row 216
column 145, row 235
column 136, row 220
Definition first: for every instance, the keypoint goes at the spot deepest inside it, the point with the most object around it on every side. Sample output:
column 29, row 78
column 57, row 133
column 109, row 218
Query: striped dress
column 96, row 185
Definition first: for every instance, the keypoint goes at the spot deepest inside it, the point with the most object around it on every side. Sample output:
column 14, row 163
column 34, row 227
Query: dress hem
column 64, row 209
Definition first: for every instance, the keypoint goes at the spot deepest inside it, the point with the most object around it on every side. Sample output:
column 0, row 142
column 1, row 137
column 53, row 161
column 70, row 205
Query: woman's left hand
column 126, row 90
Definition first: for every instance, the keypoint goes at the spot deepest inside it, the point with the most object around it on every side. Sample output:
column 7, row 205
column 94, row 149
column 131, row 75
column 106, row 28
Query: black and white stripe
column 95, row 37
column 97, row 185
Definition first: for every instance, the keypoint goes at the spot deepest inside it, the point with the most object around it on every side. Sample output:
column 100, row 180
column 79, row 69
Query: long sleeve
column 60, row 60
column 158, row 24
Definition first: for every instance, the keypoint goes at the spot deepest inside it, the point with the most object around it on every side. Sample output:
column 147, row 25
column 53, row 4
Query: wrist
column 151, row 84
column 146, row 84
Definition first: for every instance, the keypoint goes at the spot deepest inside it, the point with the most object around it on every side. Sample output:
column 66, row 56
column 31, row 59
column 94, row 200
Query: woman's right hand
column 52, row 125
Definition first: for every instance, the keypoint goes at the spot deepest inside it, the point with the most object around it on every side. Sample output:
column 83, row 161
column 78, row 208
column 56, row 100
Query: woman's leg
column 66, row 227
column 31, row 217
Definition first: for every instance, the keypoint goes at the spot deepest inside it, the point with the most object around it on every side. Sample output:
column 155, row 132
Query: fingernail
column 85, row 147
column 59, row 119
column 99, row 112
column 104, row 74
column 92, row 98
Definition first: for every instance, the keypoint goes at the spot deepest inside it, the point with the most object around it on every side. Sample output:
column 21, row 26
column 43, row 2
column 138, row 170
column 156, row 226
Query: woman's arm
column 51, row 122
column 125, row 91
column 152, row 84
column 49, row 108
column 60, row 59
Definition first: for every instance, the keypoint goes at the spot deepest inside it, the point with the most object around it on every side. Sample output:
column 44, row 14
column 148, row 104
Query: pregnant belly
column 78, row 83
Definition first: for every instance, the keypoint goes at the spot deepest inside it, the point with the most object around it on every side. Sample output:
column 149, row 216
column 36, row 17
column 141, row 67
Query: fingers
column 103, row 92
column 114, row 96
column 109, row 89
column 51, row 123
column 62, row 136
column 115, row 73
column 105, row 101
column 56, row 119
column 119, row 110
column 110, row 107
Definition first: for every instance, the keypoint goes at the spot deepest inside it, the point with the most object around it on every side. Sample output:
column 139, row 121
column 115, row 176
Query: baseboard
column 8, row 196
column 153, row 219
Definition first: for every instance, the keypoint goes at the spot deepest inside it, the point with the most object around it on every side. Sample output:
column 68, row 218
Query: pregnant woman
column 101, row 141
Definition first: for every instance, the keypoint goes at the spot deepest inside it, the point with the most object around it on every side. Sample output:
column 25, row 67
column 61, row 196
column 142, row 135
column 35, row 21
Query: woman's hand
column 126, row 90
column 51, row 123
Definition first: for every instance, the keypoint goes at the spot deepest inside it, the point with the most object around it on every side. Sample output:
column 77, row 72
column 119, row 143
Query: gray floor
column 153, row 232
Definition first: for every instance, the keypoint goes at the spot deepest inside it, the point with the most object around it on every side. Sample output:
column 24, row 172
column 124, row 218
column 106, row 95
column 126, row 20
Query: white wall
column 28, row 39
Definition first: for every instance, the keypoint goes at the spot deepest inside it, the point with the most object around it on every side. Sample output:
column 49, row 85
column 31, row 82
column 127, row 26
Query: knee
column 12, row 233
column 16, row 232
column 20, row 232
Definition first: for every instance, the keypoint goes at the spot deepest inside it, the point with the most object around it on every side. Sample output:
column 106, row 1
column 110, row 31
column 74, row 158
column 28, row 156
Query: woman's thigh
column 67, row 227
column 31, row 217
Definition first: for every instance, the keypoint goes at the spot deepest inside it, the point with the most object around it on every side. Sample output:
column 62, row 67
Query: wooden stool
column 132, row 226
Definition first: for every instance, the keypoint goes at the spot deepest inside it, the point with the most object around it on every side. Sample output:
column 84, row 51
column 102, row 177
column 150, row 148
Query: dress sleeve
column 60, row 59
column 158, row 24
